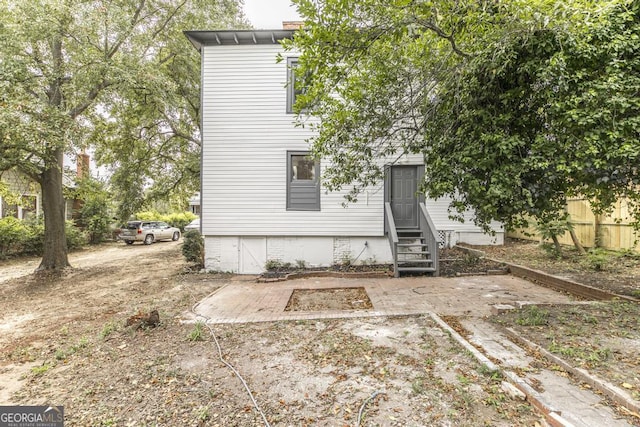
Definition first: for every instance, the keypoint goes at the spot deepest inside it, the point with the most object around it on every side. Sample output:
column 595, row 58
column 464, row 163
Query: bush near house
column 193, row 247
column 12, row 232
column 26, row 237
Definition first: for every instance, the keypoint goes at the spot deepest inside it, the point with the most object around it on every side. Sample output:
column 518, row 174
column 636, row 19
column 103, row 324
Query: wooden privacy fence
column 612, row 231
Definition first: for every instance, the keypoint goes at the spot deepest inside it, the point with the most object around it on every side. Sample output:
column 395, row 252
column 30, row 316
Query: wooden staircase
column 414, row 250
column 413, row 254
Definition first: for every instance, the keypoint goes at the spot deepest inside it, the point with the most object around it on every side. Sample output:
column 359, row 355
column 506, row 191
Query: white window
column 293, row 84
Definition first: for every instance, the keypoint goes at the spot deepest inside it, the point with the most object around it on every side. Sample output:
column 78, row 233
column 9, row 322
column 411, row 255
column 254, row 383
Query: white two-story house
column 262, row 196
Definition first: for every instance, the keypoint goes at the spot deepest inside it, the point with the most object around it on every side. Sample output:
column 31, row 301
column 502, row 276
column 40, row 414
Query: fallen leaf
column 627, row 386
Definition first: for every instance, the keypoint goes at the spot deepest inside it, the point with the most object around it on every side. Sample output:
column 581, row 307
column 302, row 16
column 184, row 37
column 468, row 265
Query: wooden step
column 415, row 261
column 416, row 269
column 422, row 253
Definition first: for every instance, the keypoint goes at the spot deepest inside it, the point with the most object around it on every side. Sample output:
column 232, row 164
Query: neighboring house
column 262, row 198
column 29, row 197
column 194, row 204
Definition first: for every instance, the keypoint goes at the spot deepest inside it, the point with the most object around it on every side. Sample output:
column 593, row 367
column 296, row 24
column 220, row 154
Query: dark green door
column 404, row 198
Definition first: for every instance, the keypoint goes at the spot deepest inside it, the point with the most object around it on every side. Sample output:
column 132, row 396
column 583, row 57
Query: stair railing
column 392, row 235
column 431, row 237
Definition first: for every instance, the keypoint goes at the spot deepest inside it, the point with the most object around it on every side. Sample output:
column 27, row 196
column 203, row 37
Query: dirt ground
column 64, row 341
column 618, row 272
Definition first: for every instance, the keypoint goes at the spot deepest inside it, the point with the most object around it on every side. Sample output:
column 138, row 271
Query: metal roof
column 237, row 37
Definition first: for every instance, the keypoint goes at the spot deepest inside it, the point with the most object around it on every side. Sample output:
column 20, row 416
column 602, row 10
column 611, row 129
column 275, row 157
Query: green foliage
column 551, row 250
column 95, row 213
column 532, row 315
column 12, row 235
column 121, row 79
column 175, row 219
column 599, row 259
column 193, row 247
column 108, row 329
column 19, row 237
column 554, row 228
column 514, row 105
column 34, row 238
column 197, row 333
column 41, row 370
column 272, row 265
column 180, row 219
column 76, row 238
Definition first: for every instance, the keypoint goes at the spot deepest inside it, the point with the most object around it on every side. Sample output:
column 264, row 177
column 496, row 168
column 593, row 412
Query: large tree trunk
column 54, row 256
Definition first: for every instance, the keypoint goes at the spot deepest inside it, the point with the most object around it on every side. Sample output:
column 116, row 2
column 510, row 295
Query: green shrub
column 12, row 232
column 76, row 238
column 26, row 237
column 179, row 219
column 33, row 243
column 95, row 219
column 176, row 219
column 272, row 265
column 193, row 247
column 94, row 215
column 148, row 216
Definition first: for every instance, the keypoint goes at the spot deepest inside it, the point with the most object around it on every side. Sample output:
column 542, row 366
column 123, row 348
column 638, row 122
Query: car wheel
column 148, row 239
column 176, row 236
column 129, row 242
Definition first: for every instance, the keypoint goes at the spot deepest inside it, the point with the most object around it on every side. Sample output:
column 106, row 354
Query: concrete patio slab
column 241, row 301
column 562, row 403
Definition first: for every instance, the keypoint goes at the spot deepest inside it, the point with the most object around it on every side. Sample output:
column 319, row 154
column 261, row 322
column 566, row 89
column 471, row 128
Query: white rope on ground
column 364, row 404
column 234, row 370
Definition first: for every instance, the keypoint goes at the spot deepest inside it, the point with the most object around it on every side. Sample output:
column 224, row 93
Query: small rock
column 501, row 308
column 522, row 304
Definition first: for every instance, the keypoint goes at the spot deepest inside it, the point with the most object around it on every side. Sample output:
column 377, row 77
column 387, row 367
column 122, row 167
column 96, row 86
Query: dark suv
column 148, row 232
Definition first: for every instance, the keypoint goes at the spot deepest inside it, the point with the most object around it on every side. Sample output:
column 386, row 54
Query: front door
column 404, row 196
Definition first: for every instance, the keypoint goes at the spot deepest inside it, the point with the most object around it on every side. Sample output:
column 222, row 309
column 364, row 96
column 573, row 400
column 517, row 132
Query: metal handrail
column 392, row 235
column 432, row 239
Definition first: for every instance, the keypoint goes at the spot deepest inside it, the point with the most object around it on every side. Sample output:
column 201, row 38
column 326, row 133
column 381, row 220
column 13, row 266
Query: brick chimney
column 292, row 25
column 82, row 165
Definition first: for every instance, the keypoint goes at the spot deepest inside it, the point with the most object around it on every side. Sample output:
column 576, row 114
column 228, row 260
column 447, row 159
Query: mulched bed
column 350, row 270
column 455, row 261
column 460, row 262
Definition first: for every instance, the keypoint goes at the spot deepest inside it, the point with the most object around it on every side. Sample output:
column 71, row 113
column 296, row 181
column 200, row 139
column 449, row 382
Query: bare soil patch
column 329, row 299
column 600, row 337
column 614, row 271
column 65, row 341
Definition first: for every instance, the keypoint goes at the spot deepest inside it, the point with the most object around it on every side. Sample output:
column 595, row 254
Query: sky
column 269, row 14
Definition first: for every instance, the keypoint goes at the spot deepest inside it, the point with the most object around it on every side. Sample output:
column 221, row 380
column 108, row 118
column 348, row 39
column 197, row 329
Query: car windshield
column 133, row 225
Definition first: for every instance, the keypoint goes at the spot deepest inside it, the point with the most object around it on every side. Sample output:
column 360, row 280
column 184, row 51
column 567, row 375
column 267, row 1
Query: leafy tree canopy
column 515, row 105
column 114, row 74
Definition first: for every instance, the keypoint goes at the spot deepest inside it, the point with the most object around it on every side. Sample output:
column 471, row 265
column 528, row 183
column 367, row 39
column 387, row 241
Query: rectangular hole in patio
column 329, row 299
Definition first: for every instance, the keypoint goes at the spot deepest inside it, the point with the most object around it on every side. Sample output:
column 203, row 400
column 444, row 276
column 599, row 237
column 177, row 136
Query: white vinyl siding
column 246, row 136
